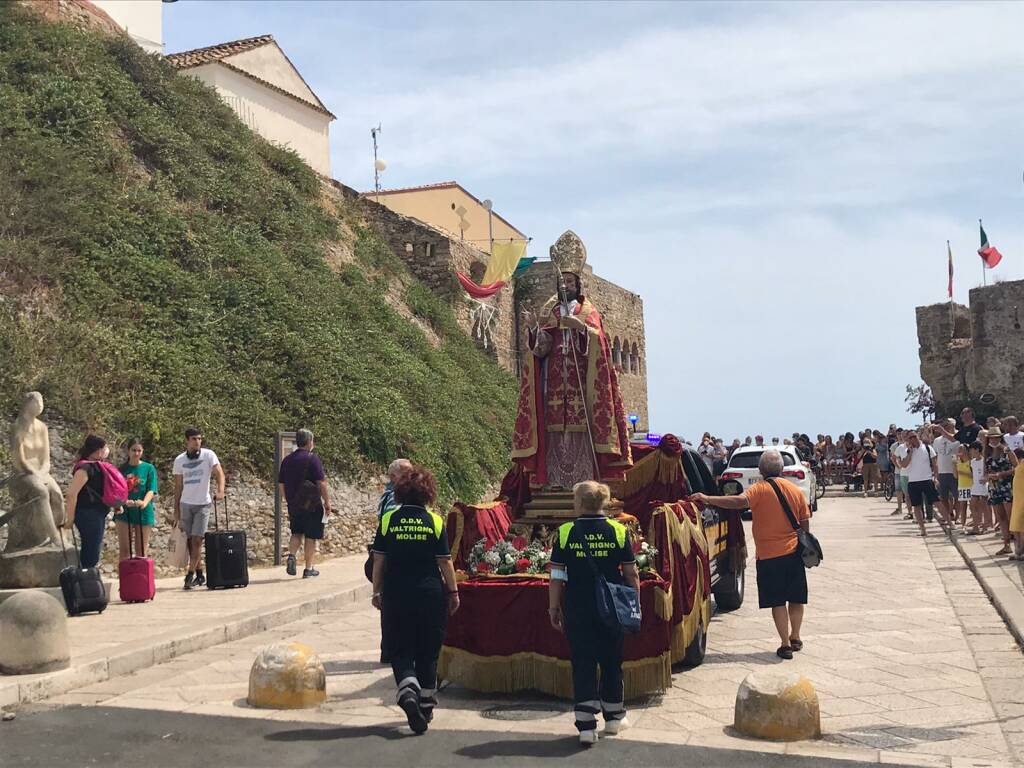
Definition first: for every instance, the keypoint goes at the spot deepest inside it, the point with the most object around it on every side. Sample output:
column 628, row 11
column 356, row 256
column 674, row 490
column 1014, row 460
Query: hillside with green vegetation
column 161, row 265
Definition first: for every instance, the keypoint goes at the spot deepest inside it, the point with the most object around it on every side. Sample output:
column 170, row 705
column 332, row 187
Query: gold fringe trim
column 529, row 671
column 656, row 466
column 663, row 603
column 460, row 525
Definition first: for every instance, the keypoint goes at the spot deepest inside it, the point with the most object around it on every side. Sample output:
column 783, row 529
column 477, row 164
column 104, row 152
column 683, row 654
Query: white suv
column 741, row 473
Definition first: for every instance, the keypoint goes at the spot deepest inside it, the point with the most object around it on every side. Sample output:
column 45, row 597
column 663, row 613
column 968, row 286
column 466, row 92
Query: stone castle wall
column 976, row 350
column 434, row 257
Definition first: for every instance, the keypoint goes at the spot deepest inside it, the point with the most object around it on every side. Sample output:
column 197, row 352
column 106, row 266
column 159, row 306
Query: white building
column 267, row 92
column 141, row 19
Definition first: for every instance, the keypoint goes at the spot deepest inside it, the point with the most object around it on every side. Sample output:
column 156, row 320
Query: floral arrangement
column 645, row 556
column 509, row 557
column 517, row 555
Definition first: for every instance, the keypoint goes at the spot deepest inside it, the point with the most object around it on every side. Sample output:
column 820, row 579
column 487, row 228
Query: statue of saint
column 38, row 502
column 570, row 425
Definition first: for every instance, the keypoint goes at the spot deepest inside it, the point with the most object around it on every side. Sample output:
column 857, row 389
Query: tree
column 919, row 399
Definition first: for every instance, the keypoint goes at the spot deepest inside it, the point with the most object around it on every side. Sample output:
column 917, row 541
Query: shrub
column 160, row 265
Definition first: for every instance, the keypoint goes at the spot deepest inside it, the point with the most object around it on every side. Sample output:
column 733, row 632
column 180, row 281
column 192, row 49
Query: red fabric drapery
column 479, row 291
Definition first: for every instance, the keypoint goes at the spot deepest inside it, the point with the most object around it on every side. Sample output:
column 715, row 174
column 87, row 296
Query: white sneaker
column 615, row 727
column 588, row 738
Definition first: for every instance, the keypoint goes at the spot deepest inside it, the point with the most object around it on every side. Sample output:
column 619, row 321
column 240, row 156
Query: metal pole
column 490, row 231
column 376, row 171
column 277, row 499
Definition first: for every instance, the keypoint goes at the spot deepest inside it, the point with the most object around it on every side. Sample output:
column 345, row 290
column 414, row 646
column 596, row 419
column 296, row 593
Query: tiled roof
column 215, row 54
column 440, row 185
column 212, row 53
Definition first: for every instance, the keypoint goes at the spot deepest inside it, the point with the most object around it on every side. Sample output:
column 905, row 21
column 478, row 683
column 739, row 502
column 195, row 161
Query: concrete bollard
column 777, row 706
column 287, row 676
column 33, row 634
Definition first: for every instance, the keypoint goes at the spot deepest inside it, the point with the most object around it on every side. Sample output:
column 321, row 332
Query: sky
column 777, row 181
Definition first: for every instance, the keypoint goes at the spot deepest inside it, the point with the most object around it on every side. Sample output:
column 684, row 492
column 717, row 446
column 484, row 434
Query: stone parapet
column 968, row 352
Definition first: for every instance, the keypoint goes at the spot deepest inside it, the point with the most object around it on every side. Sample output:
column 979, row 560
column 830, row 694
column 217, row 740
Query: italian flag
column 988, row 254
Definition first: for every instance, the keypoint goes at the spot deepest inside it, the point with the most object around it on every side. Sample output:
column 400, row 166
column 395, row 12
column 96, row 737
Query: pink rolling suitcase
column 137, row 583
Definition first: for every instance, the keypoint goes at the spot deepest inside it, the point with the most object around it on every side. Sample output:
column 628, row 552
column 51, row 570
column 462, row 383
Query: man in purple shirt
column 304, row 487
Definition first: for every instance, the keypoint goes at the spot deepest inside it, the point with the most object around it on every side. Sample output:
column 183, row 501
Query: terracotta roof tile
column 215, row 54
column 212, row 53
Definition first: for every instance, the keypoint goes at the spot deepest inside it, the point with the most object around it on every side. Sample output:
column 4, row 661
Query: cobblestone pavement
column 911, row 663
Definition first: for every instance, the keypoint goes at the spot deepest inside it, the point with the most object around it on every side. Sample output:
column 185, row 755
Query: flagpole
column 984, row 279
column 952, row 320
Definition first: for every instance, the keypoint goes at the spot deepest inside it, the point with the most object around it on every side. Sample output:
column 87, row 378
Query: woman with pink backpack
column 96, row 486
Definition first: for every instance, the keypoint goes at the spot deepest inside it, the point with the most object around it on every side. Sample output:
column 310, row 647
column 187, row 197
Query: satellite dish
column 380, row 165
column 487, row 204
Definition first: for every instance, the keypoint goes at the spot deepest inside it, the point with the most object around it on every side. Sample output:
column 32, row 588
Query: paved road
column 911, row 663
column 119, row 738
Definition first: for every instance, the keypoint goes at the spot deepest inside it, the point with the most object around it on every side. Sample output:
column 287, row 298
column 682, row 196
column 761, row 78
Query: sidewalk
column 128, row 637
column 1002, row 579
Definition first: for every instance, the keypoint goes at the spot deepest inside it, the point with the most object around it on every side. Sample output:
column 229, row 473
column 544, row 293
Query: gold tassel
column 546, row 674
column 656, row 466
column 460, row 524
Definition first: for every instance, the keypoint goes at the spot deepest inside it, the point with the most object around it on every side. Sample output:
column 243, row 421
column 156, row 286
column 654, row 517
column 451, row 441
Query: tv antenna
column 378, row 164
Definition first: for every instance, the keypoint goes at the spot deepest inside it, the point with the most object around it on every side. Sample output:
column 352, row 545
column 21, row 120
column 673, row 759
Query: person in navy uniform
column 414, row 588
column 592, row 643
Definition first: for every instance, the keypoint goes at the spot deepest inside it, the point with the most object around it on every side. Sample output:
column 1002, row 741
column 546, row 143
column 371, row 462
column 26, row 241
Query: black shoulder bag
column 806, row 542
column 618, row 605
column 307, row 498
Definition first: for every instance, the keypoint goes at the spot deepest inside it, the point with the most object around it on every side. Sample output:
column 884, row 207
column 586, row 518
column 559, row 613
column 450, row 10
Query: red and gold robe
column 551, row 439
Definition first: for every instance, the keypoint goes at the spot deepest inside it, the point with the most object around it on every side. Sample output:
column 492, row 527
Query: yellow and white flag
column 505, row 258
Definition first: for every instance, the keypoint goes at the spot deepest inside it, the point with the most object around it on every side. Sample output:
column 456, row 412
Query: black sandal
column 796, row 645
column 784, row 652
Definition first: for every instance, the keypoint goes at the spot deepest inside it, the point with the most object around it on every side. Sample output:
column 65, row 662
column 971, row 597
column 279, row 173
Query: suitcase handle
column 63, row 548
column 142, row 548
column 216, row 521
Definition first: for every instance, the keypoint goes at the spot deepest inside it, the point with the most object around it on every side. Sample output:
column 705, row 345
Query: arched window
column 626, row 360
column 635, row 357
column 616, row 352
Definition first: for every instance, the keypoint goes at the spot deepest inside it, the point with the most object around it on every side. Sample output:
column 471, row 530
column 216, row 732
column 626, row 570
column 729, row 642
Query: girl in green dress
column 136, row 516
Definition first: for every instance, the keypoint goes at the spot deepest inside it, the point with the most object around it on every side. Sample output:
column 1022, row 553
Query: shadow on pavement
column 554, row 747
column 386, row 732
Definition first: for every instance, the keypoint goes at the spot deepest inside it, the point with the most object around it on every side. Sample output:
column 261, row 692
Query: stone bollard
column 287, row 676
column 33, row 634
column 777, row 706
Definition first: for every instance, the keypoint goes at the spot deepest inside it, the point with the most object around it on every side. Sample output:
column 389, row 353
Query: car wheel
column 729, row 591
column 698, row 647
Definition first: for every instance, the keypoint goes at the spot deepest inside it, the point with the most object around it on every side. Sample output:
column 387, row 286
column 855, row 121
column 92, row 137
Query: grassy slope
column 160, row 265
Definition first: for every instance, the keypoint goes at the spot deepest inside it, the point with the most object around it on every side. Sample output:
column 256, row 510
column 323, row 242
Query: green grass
column 160, row 266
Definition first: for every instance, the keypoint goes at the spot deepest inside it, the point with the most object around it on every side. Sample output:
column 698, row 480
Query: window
column 635, row 359
column 749, row 459
column 616, row 353
column 627, row 360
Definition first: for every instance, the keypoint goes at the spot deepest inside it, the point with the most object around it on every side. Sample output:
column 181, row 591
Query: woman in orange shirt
column 781, row 577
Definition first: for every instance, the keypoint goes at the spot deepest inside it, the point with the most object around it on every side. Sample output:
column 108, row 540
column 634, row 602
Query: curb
column 1004, row 594
column 98, row 668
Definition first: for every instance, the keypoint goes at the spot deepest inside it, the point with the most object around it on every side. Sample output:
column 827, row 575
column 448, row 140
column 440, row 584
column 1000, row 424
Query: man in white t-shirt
column 1013, row 437
column 921, row 470
column 192, row 472
column 896, row 452
column 945, row 455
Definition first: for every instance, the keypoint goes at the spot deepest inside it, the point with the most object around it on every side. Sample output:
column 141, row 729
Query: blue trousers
column 91, row 523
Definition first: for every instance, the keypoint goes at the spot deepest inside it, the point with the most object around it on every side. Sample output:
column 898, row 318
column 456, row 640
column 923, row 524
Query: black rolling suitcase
column 227, row 562
column 82, row 588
